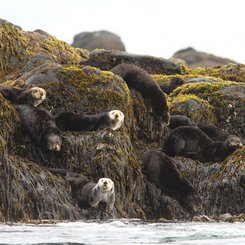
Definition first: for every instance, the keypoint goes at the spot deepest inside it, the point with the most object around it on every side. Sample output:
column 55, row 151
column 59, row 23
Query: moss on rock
column 230, row 72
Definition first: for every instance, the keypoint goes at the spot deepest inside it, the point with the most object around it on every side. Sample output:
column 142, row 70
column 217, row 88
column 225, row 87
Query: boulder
column 98, row 40
column 195, row 58
column 106, row 59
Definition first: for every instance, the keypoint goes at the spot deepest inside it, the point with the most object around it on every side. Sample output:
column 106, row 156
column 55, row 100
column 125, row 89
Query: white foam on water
column 124, row 232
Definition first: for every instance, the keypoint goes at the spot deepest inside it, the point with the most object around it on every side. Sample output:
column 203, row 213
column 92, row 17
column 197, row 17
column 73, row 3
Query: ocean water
column 123, row 232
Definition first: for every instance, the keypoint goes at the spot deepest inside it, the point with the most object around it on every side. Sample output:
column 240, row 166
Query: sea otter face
column 234, row 142
column 54, row 142
column 105, row 184
column 39, row 94
column 117, row 119
column 192, row 203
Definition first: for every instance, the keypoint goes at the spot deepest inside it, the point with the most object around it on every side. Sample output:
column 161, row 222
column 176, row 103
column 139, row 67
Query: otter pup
column 41, row 127
column 141, row 81
column 31, row 96
column 161, row 171
column 70, row 121
column 192, row 142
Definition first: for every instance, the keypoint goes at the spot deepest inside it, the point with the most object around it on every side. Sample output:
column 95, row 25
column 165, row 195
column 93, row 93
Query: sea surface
column 123, row 232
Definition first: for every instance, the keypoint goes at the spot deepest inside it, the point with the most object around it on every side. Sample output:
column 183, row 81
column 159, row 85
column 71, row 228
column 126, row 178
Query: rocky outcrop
column 106, row 60
column 195, row 58
column 98, row 40
column 80, row 81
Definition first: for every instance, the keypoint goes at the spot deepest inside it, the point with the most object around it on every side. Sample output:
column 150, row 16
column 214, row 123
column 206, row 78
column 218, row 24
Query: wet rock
column 98, row 40
column 202, row 218
column 199, row 79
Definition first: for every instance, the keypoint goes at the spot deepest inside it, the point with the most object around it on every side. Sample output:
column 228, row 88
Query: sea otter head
column 192, row 203
column 39, row 94
column 54, row 142
column 116, row 118
column 233, row 143
column 106, row 184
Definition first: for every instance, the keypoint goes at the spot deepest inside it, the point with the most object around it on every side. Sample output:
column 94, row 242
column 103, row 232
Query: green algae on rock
column 228, row 107
column 19, row 47
column 107, row 59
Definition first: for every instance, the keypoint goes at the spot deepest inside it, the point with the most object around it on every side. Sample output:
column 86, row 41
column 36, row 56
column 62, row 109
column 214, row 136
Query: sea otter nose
column 56, row 147
column 105, row 183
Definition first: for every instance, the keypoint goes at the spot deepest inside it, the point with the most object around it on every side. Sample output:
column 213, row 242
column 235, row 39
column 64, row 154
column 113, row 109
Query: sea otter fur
column 41, row 127
column 160, row 170
column 192, row 142
column 138, row 79
column 70, row 121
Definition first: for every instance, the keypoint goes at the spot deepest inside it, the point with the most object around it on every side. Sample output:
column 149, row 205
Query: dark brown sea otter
column 32, row 96
column 138, row 79
column 160, row 170
column 192, row 142
column 41, row 127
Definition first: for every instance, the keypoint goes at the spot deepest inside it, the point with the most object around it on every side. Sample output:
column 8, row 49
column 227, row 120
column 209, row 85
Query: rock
column 22, row 51
column 225, row 101
column 197, row 109
column 98, row 40
column 195, row 58
column 202, row 218
column 105, row 60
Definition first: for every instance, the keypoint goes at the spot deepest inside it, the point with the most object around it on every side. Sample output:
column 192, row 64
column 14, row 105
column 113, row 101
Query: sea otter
column 70, row 121
column 30, row 96
column 169, row 87
column 138, row 79
column 192, row 142
column 41, row 127
column 90, row 194
column 160, row 170
column 180, row 120
column 214, row 132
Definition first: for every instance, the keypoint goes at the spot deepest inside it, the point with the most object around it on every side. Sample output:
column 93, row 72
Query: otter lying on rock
column 161, row 171
column 31, row 96
column 180, row 120
column 70, row 121
column 41, row 127
column 144, row 83
column 192, row 142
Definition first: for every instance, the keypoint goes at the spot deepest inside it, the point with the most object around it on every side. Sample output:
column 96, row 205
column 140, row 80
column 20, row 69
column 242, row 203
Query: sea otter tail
column 141, row 81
